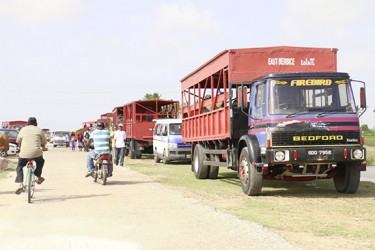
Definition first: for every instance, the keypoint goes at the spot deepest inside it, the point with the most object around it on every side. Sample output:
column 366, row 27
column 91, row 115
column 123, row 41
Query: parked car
column 58, row 138
column 11, row 133
column 13, row 149
column 12, row 136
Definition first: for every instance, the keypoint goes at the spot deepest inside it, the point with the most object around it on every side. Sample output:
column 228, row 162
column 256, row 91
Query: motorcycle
column 101, row 164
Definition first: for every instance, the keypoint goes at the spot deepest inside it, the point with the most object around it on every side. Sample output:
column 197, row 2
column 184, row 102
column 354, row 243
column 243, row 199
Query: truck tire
column 214, row 170
column 348, row 178
column 131, row 150
column 165, row 158
column 200, row 171
column 156, row 157
column 138, row 154
column 251, row 180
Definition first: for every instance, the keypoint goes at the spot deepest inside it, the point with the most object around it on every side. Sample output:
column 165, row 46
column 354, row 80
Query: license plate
column 319, row 154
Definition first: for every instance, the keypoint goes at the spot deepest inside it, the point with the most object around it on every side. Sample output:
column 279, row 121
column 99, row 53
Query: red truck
column 14, row 124
column 278, row 113
column 138, row 120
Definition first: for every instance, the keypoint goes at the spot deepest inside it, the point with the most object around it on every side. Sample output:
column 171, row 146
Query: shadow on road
column 66, row 197
column 110, row 183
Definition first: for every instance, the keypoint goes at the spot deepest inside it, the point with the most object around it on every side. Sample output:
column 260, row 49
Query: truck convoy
column 276, row 113
column 138, row 120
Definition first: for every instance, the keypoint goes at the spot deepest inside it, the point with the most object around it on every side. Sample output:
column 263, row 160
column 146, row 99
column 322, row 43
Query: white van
column 167, row 141
column 58, row 138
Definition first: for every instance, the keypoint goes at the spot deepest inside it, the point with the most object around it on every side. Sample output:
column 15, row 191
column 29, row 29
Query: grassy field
column 303, row 211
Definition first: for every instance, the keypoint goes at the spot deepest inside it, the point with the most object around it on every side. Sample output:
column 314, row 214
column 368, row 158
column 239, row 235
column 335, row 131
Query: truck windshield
column 175, row 129
column 60, row 133
column 300, row 96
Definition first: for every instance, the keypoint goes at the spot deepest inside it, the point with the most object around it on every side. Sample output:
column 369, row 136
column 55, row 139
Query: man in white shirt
column 119, row 138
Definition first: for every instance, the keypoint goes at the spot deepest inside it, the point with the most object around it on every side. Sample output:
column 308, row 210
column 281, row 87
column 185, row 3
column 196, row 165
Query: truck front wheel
column 251, row 180
column 348, row 177
column 200, row 171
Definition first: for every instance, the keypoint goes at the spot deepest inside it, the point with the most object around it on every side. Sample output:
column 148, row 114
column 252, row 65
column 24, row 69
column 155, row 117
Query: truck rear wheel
column 347, row 179
column 214, row 170
column 131, row 150
column 251, row 180
column 200, row 171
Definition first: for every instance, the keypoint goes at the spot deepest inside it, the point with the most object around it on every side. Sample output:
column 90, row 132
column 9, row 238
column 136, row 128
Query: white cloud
column 34, row 12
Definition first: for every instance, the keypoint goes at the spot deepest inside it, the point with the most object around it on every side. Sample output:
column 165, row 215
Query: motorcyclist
column 102, row 144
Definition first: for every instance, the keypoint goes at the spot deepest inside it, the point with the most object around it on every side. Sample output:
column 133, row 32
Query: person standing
column 113, row 139
column 67, row 140
column 73, row 140
column 119, row 137
column 32, row 142
column 86, row 137
column 79, row 138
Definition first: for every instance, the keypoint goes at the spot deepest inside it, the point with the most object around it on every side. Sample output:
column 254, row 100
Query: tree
column 154, row 96
column 365, row 127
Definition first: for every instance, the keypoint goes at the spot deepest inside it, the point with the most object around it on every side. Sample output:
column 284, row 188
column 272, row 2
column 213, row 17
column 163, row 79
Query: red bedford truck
column 274, row 113
column 138, row 120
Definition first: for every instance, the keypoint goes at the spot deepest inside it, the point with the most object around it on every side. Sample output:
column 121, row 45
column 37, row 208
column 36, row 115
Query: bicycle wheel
column 30, row 185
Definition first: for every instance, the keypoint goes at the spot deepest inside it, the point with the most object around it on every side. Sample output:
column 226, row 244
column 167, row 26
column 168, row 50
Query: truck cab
column 305, row 126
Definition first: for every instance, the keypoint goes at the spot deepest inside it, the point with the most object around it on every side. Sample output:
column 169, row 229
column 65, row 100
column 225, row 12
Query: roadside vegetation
column 369, row 135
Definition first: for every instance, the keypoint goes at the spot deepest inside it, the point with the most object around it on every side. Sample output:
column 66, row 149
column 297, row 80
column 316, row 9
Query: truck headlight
column 172, row 145
column 279, row 155
column 357, row 154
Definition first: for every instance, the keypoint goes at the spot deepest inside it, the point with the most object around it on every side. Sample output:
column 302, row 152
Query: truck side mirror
column 362, row 93
column 242, row 96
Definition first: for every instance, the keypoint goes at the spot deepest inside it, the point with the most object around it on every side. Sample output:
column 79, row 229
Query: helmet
column 100, row 125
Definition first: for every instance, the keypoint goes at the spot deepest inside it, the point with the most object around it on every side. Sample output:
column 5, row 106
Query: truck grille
column 315, row 138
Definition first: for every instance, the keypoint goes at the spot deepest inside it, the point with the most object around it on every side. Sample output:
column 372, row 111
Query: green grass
column 299, row 207
column 370, row 143
column 370, row 140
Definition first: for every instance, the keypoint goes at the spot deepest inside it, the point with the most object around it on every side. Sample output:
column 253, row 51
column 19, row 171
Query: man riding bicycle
column 102, row 144
column 32, row 143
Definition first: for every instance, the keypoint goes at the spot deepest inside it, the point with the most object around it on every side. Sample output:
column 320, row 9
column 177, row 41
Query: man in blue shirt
column 102, row 144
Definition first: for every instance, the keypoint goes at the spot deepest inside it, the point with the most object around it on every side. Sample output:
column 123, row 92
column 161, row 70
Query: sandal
column 40, row 180
column 19, row 190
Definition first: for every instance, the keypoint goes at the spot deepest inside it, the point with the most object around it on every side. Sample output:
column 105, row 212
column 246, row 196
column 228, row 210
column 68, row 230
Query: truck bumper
column 315, row 155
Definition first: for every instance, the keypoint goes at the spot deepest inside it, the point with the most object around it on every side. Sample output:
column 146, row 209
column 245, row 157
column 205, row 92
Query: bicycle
column 29, row 181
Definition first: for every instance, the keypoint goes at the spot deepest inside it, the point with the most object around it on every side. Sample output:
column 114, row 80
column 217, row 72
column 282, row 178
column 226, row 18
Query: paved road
column 131, row 212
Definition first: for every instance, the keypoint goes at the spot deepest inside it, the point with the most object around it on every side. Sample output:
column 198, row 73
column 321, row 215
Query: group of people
column 78, row 140
column 32, row 143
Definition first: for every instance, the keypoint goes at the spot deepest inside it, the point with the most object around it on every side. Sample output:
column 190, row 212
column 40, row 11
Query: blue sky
column 68, row 61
